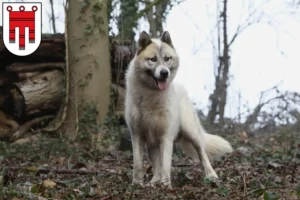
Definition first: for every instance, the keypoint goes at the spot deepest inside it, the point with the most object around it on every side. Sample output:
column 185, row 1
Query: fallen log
column 12, row 101
column 10, row 77
column 40, row 92
column 26, row 75
column 29, row 67
column 43, row 92
column 25, row 127
column 51, row 49
column 7, row 126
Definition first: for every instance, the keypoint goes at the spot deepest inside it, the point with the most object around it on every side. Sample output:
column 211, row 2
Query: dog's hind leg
column 192, row 131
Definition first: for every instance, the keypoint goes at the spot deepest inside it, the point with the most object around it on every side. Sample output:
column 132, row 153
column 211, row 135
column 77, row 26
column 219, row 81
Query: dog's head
column 156, row 61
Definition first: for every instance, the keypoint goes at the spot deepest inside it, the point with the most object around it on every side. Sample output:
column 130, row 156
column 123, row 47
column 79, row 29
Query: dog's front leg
column 166, row 151
column 154, row 155
column 138, row 153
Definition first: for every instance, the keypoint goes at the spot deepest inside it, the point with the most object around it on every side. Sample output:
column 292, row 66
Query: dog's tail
column 215, row 147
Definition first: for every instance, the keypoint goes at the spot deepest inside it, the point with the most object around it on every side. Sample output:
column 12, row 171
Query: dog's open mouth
column 161, row 83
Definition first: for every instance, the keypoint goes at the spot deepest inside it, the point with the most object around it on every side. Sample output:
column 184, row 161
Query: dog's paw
column 167, row 185
column 160, row 184
column 212, row 175
column 214, row 179
column 151, row 185
column 137, row 183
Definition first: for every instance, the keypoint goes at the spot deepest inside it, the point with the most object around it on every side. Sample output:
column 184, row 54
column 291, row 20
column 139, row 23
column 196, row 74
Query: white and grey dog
column 159, row 112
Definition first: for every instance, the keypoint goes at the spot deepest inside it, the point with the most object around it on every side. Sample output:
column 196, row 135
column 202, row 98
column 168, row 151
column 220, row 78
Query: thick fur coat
column 159, row 112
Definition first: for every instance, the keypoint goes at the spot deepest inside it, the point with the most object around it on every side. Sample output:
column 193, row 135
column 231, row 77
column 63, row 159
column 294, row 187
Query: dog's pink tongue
column 162, row 85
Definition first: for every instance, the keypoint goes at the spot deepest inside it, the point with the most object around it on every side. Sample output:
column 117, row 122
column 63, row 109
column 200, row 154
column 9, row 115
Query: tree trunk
column 219, row 96
column 53, row 17
column 88, row 62
column 127, row 20
column 225, row 71
column 156, row 17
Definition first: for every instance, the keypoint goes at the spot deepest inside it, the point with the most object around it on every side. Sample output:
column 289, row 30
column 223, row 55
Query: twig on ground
column 245, row 184
column 62, row 171
column 267, row 188
column 25, row 127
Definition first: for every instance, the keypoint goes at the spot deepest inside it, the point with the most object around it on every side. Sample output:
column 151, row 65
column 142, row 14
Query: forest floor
column 267, row 167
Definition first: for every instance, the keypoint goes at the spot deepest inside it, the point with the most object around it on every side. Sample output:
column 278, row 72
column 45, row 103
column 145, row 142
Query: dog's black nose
column 164, row 73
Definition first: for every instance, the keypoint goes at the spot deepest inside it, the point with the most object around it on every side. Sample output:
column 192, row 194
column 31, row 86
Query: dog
column 158, row 112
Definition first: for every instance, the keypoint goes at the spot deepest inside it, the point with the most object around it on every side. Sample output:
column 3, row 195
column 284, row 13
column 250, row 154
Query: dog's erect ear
column 166, row 38
column 144, row 40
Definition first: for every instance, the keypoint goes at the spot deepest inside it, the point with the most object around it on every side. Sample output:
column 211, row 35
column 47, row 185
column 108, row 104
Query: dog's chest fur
column 152, row 115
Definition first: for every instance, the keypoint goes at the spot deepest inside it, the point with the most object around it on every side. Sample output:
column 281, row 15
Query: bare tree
column 154, row 12
column 127, row 20
column 222, row 49
column 52, row 16
column 156, row 15
column 283, row 109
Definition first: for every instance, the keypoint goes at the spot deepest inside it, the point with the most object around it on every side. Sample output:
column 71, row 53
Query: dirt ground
column 267, row 167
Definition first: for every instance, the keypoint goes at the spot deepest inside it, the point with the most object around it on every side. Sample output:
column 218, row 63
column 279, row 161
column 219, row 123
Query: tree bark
column 219, row 96
column 156, row 17
column 225, row 71
column 53, row 16
column 127, row 21
column 27, row 75
column 42, row 92
column 89, row 62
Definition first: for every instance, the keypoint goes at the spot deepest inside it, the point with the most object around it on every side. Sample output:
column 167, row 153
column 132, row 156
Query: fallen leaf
column 278, row 179
column 32, row 169
column 41, row 198
column 274, row 165
column 94, row 181
column 76, row 190
column 242, row 150
column 49, row 184
column 244, row 137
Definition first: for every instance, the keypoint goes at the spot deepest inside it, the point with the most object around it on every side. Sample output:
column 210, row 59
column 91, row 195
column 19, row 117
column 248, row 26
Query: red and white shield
column 22, row 27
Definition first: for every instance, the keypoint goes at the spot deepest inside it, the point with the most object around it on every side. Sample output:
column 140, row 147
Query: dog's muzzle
column 164, row 74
